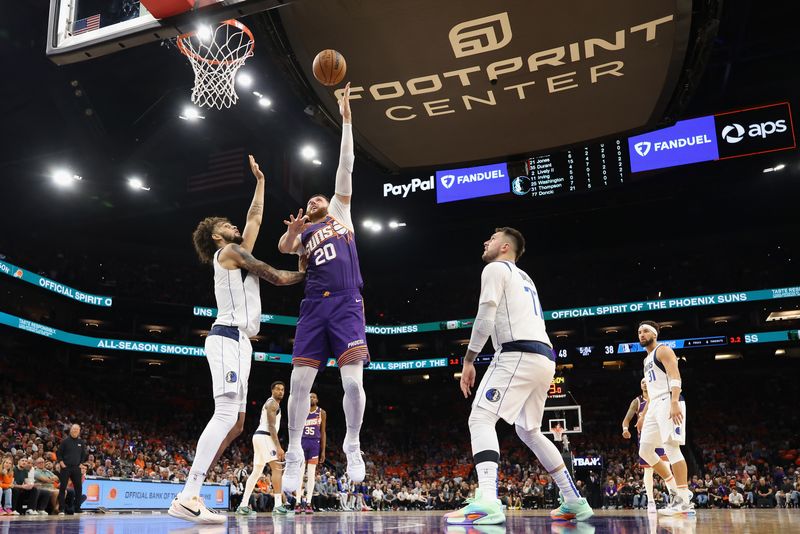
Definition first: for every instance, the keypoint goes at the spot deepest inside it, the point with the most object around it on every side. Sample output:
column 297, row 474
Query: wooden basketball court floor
column 605, row 521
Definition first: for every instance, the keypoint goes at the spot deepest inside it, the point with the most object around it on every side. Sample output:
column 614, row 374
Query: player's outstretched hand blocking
column 467, row 379
column 255, row 169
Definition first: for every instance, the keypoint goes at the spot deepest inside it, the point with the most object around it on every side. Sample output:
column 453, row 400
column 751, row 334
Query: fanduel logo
column 687, row 141
column 404, row 189
column 473, row 182
column 642, row 148
column 733, row 133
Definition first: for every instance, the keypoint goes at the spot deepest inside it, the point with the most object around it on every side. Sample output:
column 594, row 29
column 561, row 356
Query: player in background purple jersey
column 314, row 442
column 331, row 322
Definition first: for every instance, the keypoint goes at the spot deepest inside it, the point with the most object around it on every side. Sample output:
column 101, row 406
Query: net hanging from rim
column 216, row 54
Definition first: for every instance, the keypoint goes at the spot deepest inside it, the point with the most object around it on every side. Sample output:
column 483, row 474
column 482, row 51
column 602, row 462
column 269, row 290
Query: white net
column 216, row 54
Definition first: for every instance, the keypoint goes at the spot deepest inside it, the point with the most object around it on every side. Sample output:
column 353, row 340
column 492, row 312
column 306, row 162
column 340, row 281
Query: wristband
column 675, row 383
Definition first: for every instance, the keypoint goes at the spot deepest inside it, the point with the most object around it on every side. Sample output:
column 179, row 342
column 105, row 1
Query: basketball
column 329, row 67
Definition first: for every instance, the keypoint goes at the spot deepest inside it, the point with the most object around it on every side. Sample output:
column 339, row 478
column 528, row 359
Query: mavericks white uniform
column 228, row 348
column 264, row 450
column 516, row 383
column 658, row 428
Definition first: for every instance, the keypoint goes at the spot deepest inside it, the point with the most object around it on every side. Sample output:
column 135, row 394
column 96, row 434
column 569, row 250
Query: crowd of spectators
column 130, row 434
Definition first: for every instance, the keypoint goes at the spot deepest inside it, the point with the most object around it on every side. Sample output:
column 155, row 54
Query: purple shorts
column 331, row 327
column 660, row 452
column 311, row 450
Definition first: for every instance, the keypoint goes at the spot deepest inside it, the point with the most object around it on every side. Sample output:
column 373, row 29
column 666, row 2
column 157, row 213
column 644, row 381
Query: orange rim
column 186, row 51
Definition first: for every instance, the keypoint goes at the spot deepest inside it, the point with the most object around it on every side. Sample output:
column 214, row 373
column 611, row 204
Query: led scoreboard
column 577, row 169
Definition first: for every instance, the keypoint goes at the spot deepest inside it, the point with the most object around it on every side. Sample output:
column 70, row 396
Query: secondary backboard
column 80, row 30
column 567, row 418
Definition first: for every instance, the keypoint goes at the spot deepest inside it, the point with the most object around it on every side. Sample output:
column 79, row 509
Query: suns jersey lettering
column 332, row 257
column 312, row 430
column 656, row 375
column 519, row 312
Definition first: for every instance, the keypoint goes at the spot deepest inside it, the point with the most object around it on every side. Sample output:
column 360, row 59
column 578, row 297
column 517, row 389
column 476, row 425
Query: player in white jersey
column 227, row 347
column 664, row 419
column 515, row 385
column 267, row 450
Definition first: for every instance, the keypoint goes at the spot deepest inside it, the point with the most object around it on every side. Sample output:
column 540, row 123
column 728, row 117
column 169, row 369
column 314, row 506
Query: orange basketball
column 329, row 67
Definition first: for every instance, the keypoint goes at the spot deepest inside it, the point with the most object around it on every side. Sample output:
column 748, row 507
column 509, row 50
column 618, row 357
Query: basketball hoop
column 216, row 54
column 558, row 433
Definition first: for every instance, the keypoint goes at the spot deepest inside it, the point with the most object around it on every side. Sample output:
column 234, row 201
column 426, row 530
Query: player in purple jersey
column 636, row 409
column 331, row 322
column 314, row 442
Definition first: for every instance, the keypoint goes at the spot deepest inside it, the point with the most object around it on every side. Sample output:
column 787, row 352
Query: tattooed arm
column 256, row 210
column 237, row 257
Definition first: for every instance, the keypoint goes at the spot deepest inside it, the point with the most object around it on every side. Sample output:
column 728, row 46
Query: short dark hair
column 517, row 237
column 276, row 383
column 320, row 195
column 204, row 244
column 653, row 324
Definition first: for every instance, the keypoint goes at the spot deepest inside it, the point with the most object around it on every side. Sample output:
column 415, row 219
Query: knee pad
column 647, row 451
column 485, row 446
column 673, row 452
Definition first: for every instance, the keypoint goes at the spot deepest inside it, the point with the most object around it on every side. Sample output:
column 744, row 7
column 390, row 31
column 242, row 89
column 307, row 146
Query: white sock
column 648, row 484
column 226, row 412
column 487, row 480
column 310, row 479
column 671, row 484
column 251, row 484
column 278, row 499
column 564, row 482
column 354, row 402
column 299, row 405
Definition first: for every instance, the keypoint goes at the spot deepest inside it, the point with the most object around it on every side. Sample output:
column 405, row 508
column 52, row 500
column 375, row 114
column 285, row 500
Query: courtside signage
column 688, row 141
column 472, row 182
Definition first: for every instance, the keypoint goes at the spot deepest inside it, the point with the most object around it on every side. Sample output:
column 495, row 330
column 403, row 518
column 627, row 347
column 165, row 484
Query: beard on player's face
column 316, row 209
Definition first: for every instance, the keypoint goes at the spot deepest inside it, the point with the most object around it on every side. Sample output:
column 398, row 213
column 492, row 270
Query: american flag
column 225, row 169
column 86, row 25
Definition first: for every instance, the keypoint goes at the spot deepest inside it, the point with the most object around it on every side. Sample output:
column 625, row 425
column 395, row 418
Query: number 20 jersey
column 332, row 258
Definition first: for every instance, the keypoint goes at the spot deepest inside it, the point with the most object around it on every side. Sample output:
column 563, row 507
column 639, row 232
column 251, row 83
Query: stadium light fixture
column 65, row 178
column 367, row 223
column 204, row 32
column 728, row 356
column 264, row 102
column 316, row 162
column 244, row 79
column 190, row 113
column 137, row 184
column 308, row 152
column 377, row 227
column 780, row 352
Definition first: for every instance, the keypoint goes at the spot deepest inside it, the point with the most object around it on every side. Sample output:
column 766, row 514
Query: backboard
column 79, row 30
column 567, row 418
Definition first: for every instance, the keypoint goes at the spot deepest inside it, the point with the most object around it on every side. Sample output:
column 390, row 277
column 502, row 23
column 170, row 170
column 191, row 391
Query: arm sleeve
column 344, row 179
column 493, row 280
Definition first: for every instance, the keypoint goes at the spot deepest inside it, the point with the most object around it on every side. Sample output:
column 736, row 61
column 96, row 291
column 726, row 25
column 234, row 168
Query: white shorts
column 264, row 450
column 658, row 428
column 515, row 387
column 229, row 361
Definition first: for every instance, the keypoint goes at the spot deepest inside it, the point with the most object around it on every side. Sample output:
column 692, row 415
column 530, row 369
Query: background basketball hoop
column 216, row 53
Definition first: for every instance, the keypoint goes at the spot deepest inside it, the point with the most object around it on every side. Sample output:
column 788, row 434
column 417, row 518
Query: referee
column 71, row 453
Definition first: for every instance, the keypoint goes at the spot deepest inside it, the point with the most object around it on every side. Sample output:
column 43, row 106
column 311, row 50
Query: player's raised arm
column 235, row 256
column 256, row 211
column 340, row 203
column 667, row 356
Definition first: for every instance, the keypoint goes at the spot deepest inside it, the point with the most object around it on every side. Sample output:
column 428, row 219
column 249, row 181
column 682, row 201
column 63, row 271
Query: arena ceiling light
column 367, row 223
column 394, row 225
column 65, row 178
column 778, row 167
column 784, row 315
column 728, row 356
column 316, row 162
column 308, row 152
column 137, row 184
column 190, row 113
column 244, row 79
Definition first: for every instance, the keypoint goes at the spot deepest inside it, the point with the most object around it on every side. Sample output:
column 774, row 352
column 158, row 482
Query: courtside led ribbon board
column 115, row 494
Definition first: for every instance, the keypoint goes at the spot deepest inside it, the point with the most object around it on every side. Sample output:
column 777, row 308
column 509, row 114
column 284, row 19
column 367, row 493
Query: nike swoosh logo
column 358, row 300
column 196, row 514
